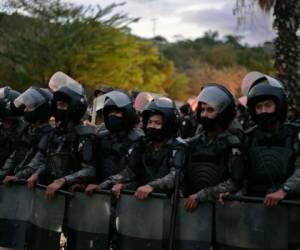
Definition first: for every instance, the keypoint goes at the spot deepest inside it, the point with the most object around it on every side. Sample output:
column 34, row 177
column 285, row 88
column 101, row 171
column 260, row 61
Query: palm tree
column 286, row 23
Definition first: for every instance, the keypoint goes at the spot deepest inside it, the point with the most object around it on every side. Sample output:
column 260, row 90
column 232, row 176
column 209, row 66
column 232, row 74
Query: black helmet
column 120, row 100
column 68, row 90
column 37, row 104
column 167, row 108
column 7, row 107
column 220, row 98
column 268, row 88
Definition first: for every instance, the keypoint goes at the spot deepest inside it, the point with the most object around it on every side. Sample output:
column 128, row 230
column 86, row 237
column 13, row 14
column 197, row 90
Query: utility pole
column 154, row 21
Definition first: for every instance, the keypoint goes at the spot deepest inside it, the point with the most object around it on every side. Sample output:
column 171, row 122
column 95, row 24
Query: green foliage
column 94, row 46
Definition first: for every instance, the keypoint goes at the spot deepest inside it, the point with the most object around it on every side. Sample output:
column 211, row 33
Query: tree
column 91, row 44
column 286, row 23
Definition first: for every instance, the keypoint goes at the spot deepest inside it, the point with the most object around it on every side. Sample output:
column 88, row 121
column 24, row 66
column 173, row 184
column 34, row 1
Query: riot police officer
column 36, row 103
column 11, row 123
column 66, row 155
column 188, row 123
column 113, row 144
column 216, row 159
column 153, row 162
column 272, row 145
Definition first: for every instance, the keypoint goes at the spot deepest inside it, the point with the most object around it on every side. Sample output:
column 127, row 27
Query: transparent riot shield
column 88, row 220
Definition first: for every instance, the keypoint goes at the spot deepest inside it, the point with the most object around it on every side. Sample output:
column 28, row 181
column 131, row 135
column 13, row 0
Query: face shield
column 215, row 97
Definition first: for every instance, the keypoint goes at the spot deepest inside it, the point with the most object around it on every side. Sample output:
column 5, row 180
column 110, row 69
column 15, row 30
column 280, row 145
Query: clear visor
column 142, row 100
column 274, row 82
column 164, row 102
column 60, row 79
column 248, row 80
column 119, row 98
column 214, row 97
column 2, row 92
column 31, row 98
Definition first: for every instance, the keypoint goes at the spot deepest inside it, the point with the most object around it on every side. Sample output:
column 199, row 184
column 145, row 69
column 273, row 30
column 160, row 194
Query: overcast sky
column 188, row 19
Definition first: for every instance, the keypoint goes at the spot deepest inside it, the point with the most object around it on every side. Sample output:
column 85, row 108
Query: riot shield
column 251, row 226
column 294, row 227
column 46, row 221
column 15, row 210
column 88, row 221
column 194, row 230
column 142, row 224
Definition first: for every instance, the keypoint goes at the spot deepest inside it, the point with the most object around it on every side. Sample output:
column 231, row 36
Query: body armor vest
column 270, row 164
column 208, row 164
column 61, row 153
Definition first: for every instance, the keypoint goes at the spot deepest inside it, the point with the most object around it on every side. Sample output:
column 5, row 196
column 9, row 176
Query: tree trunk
column 286, row 23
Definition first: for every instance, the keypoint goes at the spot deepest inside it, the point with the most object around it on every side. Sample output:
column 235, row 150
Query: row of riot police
column 221, row 159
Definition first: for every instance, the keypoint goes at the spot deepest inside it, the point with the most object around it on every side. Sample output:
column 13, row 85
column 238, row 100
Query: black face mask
column 114, row 123
column 61, row 115
column 209, row 124
column 266, row 120
column 30, row 117
column 155, row 135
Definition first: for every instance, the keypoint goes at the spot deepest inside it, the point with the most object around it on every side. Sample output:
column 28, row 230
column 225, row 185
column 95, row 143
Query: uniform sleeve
column 293, row 182
column 38, row 164
column 236, row 177
column 87, row 173
column 178, row 162
column 9, row 165
column 128, row 174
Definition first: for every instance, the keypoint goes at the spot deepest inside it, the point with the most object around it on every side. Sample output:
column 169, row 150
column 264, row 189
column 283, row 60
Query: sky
column 189, row 19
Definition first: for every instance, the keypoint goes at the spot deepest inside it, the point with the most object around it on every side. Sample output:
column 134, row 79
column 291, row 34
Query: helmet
column 268, row 88
column 167, row 108
column 120, row 100
column 186, row 109
column 142, row 100
column 68, row 90
column 98, row 104
column 37, row 103
column 7, row 108
column 220, row 98
column 250, row 79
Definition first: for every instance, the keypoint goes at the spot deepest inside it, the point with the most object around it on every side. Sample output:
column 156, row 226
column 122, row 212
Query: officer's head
column 118, row 111
column 36, row 103
column 160, row 119
column 216, row 107
column 267, row 102
column 8, row 111
column 185, row 109
column 69, row 101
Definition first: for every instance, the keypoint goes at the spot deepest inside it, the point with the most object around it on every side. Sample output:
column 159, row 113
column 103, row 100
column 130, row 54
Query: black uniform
column 216, row 162
column 147, row 166
column 9, row 139
column 114, row 142
column 26, row 148
column 113, row 151
column 273, row 160
column 153, row 166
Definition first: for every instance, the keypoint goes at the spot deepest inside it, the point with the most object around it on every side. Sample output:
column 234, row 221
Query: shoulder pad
column 83, row 130
column 103, row 133
column 295, row 124
column 248, row 131
column 180, row 140
column 47, row 128
column 176, row 142
column 233, row 140
column 22, row 126
column 193, row 139
column 136, row 134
